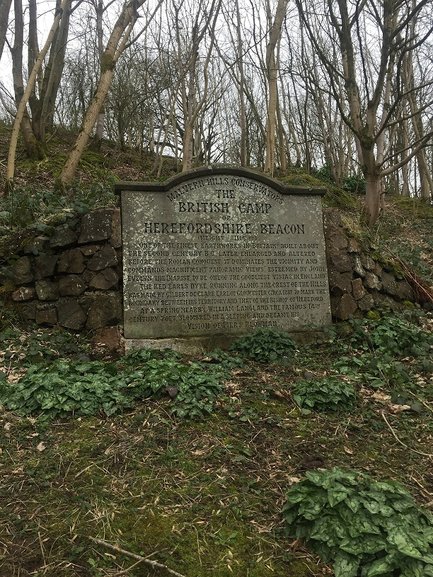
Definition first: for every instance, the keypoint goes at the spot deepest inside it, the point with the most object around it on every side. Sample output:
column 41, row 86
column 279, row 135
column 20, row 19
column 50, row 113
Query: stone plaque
column 221, row 252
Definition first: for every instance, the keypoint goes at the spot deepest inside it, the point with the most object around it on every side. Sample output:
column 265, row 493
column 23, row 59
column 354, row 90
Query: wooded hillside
column 341, row 89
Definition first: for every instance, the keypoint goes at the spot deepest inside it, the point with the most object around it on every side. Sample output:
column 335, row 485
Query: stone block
column 27, row 310
column 338, row 240
column 45, row 265
column 103, row 310
column 354, row 246
column 46, row 316
column 24, row 293
column 341, row 261
column 96, row 226
column 71, row 285
column 108, row 339
column 22, row 271
column 37, row 245
column 71, row 261
column 340, row 283
column 47, row 290
column 105, row 280
column 357, row 266
column 346, row 307
column 372, row 281
column 90, row 249
column 104, row 258
column 366, row 303
column 404, row 291
column 367, row 262
column 389, row 284
column 71, row 315
column 63, row 236
column 116, row 229
column 358, row 289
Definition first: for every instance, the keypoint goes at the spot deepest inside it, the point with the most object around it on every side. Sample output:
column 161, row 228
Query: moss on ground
column 202, row 497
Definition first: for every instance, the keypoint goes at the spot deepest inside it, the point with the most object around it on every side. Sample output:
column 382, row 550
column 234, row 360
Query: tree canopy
column 343, row 89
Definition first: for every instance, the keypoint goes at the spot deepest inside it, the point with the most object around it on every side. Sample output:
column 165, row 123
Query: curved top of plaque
column 215, row 171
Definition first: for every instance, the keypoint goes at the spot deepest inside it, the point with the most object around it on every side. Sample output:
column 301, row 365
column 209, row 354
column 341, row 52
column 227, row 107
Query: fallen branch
column 422, row 290
column 394, row 434
column 150, row 562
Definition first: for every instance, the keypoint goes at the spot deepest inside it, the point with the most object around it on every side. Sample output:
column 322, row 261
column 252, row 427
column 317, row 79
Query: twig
column 149, row 562
column 41, row 545
column 421, row 486
column 417, row 283
column 429, row 455
column 126, row 571
column 426, row 405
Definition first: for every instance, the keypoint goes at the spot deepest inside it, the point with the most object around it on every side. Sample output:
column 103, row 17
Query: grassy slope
column 202, row 497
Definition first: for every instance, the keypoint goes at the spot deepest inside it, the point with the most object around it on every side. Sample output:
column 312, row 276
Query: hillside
column 403, row 231
column 161, row 464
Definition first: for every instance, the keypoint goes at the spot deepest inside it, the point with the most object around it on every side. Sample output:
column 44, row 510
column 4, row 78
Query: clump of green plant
column 266, row 345
column 194, row 386
column 375, row 371
column 85, row 388
column 394, row 335
column 364, row 527
column 329, row 393
column 375, row 350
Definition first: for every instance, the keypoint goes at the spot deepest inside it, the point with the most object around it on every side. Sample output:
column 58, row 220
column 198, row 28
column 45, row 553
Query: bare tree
column 368, row 105
column 23, row 96
column 194, row 26
column 272, row 78
column 5, row 6
column 116, row 44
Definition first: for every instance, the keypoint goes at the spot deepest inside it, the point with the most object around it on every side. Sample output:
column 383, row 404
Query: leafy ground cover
column 203, row 490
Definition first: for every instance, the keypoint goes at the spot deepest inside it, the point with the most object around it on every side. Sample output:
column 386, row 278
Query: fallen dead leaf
column 396, row 409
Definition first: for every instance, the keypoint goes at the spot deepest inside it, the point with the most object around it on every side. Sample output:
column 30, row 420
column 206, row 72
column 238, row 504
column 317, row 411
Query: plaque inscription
column 221, row 254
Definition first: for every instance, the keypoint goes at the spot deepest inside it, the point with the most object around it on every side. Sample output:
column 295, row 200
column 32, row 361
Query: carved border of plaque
column 221, row 251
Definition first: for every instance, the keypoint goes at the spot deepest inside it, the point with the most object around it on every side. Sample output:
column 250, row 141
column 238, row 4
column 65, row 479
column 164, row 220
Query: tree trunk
column 53, row 72
column 115, row 46
column 22, row 96
column 100, row 122
column 272, row 78
column 372, row 198
column 5, row 6
column 243, row 155
column 33, row 150
column 373, row 185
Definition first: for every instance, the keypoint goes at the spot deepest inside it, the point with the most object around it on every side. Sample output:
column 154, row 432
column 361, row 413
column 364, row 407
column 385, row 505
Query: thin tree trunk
column 53, row 71
column 272, row 77
column 100, row 122
column 372, row 187
column 115, row 46
column 21, row 115
column 5, row 6
column 241, row 90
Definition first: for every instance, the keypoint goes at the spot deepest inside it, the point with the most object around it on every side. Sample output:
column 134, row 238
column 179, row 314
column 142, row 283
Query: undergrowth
column 192, row 458
column 92, row 387
column 266, row 345
column 364, row 527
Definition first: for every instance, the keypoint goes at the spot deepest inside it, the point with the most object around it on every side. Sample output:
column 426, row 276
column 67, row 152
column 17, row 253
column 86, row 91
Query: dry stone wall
column 358, row 282
column 72, row 277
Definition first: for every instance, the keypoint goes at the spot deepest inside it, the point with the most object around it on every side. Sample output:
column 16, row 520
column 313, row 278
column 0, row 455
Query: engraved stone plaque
column 221, row 252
